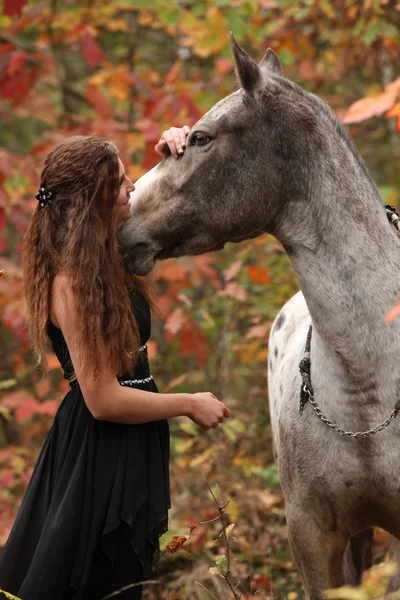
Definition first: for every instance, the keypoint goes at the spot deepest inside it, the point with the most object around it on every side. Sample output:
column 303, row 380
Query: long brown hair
column 76, row 235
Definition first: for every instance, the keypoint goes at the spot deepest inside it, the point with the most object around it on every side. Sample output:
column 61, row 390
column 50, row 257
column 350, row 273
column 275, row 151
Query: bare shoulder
column 62, row 298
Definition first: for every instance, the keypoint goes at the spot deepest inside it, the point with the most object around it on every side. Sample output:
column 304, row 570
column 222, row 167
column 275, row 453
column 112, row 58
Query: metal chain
column 351, row 434
column 394, row 217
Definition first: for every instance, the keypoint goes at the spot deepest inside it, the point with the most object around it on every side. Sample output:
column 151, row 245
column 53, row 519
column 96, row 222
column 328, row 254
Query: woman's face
column 125, row 188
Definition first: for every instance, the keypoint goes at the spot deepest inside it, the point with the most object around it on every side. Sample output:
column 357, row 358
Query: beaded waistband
column 142, row 373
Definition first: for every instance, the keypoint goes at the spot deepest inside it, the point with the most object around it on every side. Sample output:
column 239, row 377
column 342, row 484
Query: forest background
column 129, row 69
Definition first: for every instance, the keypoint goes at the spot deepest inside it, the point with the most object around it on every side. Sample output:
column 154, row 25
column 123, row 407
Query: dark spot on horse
column 280, row 321
column 281, row 389
column 276, row 352
column 348, row 484
column 270, row 365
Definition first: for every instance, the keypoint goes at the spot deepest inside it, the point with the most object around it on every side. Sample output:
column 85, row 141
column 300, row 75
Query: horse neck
column 346, row 258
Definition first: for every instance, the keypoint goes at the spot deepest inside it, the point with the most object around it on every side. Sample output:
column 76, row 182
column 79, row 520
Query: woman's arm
column 108, row 400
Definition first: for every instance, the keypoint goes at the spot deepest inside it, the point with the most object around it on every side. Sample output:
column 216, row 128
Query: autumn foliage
column 129, row 70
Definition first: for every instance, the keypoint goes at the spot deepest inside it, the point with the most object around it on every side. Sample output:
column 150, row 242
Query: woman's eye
column 199, row 139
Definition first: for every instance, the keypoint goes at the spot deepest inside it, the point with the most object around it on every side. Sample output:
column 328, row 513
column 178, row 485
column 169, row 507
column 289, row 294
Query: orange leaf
column 395, row 112
column 258, row 275
column 373, row 106
column 177, row 542
column 175, row 382
column 392, row 314
column 52, row 361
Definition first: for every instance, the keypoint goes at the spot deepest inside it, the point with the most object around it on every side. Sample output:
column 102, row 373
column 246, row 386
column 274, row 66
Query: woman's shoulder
column 61, row 296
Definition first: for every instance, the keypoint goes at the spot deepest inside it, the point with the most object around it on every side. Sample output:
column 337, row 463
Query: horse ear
column 247, row 69
column 270, row 63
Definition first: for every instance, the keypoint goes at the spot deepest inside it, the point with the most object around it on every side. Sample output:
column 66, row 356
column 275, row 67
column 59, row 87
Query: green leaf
column 7, row 383
column 286, row 56
column 189, row 427
column 236, row 23
column 372, row 32
column 270, row 474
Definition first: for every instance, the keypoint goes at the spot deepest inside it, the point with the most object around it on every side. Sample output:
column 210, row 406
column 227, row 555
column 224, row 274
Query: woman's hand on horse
column 172, row 141
column 207, row 411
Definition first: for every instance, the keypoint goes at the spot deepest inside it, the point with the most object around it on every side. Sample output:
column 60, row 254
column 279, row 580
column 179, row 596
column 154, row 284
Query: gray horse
column 273, row 158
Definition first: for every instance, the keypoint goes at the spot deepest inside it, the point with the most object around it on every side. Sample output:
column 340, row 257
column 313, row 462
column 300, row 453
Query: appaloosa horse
column 273, row 158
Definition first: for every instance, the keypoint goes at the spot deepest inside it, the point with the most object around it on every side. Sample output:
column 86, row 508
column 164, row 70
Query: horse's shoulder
column 292, row 316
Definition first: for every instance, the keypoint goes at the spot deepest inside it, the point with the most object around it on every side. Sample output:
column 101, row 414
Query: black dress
column 98, row 498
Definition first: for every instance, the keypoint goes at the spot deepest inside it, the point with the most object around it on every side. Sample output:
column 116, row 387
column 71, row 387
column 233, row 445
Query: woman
column 98, row 499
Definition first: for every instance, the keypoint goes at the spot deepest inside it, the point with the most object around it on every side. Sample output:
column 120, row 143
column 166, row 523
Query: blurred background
column 129, row 69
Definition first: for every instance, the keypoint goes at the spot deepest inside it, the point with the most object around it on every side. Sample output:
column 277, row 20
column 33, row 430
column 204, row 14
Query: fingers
column 184, row 132
column 161, row 147
column 172, row 140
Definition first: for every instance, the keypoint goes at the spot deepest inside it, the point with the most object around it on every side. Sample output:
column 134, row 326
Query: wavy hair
column 76, row 235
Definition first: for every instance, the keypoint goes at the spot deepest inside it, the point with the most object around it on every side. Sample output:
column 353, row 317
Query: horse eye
column 199, row 139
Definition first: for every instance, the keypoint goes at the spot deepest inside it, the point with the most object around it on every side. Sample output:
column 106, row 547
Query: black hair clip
column 44, row 196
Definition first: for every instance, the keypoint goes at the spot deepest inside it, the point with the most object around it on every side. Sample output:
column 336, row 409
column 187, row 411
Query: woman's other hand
column 172, row 141
column 207, row 411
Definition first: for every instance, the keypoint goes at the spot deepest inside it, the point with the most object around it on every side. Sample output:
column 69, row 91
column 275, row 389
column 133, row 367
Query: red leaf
column 223, row 66
column 174, row 322
column 3, row 220
column 23, row 404
column 43, row 387
column 173, row 73
column 49, row 407
column 13, row 8
column 149, row 128
column 258, row 275
column 17, row 88
column 98, row 101
column 233, row 270
column 26, row 410
column 17, row 62
column 193, row 340
column 203, row 265
column 234, row 290
column 91, row 50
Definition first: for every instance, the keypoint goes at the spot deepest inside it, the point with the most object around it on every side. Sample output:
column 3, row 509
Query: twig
column 226, row 574
column 207, row 590
column 128, row 587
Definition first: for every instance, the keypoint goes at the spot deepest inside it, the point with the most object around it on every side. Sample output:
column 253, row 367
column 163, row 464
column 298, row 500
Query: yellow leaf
column 117, row 25
column 203, row 457
column 232, row 510
column 345, row 593
column 9, row 596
